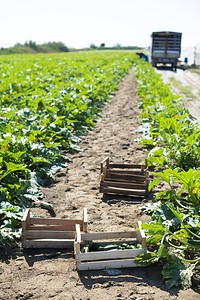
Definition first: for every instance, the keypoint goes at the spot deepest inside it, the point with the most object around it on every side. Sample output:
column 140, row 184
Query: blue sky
column 78, row 23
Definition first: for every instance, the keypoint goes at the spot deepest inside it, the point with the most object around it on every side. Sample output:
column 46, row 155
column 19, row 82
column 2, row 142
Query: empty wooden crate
column 50, row 232
column 111, row 258
column 124, row 179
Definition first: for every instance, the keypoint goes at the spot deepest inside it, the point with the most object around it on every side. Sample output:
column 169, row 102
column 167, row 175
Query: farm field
column 36, row 274
column 48, row 102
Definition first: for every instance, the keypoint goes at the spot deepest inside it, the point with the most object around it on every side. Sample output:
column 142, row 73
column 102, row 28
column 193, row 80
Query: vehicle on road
column 165, row 48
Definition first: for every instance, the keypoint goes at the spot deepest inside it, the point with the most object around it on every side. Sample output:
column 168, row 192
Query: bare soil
column 32, row 274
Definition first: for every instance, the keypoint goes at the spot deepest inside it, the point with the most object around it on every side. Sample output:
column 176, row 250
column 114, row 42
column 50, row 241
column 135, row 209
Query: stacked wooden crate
column 124, row 179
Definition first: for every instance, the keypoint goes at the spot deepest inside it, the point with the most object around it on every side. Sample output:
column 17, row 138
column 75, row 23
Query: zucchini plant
column 48, row 102
column 172, row 140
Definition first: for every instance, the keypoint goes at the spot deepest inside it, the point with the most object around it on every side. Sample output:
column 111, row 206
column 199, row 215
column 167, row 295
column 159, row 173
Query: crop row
column 172, row 139
column 47, row 103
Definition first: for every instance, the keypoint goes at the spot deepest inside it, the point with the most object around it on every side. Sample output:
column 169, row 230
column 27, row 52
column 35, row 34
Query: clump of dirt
column 35, row 274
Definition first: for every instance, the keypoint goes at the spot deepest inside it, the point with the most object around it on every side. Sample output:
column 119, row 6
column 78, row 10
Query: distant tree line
column 115, row 47
column 32, row 47
column 50, row 47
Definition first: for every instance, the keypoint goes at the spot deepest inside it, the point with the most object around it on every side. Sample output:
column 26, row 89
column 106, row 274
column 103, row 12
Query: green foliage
column 170, row 230
column 176, row 272
column 48, row 102
column 189, row 183
column 173, row 141
column 170, row 125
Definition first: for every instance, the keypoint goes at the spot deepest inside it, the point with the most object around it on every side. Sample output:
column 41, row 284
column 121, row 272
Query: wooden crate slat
column 122, row 192
column 124, row 177
column 48, row 243
column 141, row 235
column 124, row 166
column 126, row 253
column 126, row 172
column 124, row 185
column 85, row 221
column 38, row 234
column 108, row 235
column 109, row 264
column 106, row 161
column 53, row 221
column 26, row 220
column 55, row 228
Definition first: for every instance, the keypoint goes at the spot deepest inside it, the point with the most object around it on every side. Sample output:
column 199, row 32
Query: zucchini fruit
column 100, row 247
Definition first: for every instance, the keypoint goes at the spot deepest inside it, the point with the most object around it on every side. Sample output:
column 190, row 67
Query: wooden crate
column 124, row 179
column 50, row 232
column 108, row 259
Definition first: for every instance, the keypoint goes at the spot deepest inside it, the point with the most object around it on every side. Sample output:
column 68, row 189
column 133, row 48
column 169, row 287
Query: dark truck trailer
column 165, row 48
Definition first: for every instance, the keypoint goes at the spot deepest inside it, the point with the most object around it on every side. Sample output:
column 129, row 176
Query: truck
column 165, row 48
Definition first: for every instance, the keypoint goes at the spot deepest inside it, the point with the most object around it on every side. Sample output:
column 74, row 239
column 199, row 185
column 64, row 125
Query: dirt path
column 186, row 84
column 29, row 274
